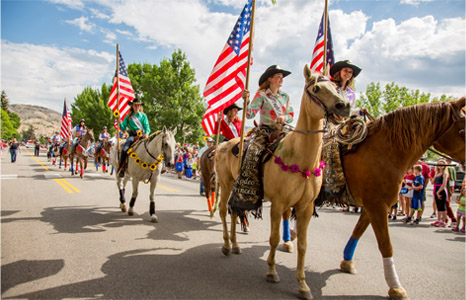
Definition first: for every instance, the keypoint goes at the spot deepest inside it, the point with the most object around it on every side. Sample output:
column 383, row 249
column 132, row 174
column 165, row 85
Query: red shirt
column 228, row 132
column 425, row 172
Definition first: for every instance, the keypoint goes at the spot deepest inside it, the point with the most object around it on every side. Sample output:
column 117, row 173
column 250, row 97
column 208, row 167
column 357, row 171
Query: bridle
column 163, row 144
column 317, row 101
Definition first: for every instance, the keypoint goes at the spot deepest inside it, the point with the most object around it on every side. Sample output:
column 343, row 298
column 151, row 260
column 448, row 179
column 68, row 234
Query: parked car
column 459, row 178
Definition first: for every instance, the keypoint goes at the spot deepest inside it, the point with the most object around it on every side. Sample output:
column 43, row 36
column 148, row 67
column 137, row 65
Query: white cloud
column 82, row 23
column 54, row 73
column 414, row 2
column 74, row 4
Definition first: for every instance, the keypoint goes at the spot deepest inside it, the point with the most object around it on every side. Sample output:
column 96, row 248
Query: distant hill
column 44, row 121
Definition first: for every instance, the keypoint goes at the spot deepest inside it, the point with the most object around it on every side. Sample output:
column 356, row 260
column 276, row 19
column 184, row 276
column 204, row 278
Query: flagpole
column 118, row 100
column 245, row 104
column 324, row 70
column 69, row 128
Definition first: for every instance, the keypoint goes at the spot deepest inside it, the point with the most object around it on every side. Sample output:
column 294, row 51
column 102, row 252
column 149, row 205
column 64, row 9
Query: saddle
column 248, row 191
column 337, row 143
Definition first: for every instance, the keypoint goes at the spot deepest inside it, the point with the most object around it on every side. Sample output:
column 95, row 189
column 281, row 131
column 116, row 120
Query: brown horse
column 64, row 156
column 102, row 155
column 206, row 163
column 393, row 144
column 80, row 151
column 286, row 189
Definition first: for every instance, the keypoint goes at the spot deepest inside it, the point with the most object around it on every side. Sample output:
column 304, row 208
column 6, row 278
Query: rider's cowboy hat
column 272, row 70
column 82, row 120
column 136, row 101
column 234, row 105
column 209, row 139
column 105, row 127
column 344, row 64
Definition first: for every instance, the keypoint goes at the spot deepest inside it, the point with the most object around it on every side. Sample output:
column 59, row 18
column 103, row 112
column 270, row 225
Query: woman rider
column 78, row 131
column 135, row 122
column 343, row 73
column 275, row 110
column 230, row 126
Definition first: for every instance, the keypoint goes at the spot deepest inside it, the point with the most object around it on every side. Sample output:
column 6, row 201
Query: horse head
column 89, row 135
column 321, row 92
column 452, row 141
column 168, row 145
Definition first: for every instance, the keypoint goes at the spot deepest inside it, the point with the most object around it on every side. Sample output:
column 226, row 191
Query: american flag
column 65, row 130
column 126, row 90
column 227, row 80
column 318, row 54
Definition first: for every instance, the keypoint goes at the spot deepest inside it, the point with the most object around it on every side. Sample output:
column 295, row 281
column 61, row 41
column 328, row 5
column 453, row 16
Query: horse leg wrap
column 131, row 202
column 349, row 249
column 286, row 231
column 152, row 208
column 122, row 196
column 390, row 273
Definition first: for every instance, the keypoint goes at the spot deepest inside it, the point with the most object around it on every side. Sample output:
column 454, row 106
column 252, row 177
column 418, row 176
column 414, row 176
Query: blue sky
column 52, row 49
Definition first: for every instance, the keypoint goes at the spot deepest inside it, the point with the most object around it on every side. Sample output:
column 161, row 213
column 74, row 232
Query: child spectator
column 189, row 166
column 418, row 195
column 461, row 212
column 408, row 181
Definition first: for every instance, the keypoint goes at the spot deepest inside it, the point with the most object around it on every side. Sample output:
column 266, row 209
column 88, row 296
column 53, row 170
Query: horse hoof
column 130, row 211
column 236, row 250
column 154, row 219
column 288, row 247
column 398, row 293
column 226, row 251
column 273, row 278
column 123, row 207
column 306, row 295
column 347, row 266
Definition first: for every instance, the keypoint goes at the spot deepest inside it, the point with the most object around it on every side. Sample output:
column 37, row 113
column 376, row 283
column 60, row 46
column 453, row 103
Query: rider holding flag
column 137, row 124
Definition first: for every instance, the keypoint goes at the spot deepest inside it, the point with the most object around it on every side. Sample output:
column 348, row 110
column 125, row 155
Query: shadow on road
column 199, row 273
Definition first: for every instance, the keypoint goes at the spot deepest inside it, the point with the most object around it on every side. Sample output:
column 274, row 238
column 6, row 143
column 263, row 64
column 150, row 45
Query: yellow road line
column 63, row 186
column 41, row 163
column 167, row 188
column 70, row 185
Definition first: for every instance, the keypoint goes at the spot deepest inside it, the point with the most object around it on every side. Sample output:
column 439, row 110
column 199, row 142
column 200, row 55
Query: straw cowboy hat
column 234, row 105
column 272, row 70
column 344, row 64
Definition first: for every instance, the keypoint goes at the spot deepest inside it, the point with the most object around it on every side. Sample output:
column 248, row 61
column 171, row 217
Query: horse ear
column 164, row 129
column 174, row 131
column 307, row 73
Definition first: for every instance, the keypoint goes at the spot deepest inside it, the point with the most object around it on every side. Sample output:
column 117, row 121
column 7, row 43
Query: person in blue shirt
column 78, row 131
column 137, row 124
column 418, row 195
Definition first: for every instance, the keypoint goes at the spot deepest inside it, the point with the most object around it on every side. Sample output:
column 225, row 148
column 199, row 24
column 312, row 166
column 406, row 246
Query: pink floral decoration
column 285, row 167
column 306, row 174
column 322, row 165
column 295, row 169
column 278, row 160
column 317, row 172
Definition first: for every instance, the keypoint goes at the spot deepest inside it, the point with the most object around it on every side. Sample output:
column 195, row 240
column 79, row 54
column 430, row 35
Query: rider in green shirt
column 136, row 123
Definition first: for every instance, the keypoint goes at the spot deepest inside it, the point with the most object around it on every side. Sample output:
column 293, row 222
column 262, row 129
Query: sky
column 53, row 49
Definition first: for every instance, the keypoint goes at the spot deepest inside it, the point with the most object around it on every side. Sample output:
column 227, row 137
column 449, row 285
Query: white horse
column 144, row 164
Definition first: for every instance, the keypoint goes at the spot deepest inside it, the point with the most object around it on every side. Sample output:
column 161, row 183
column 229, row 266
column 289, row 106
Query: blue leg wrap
column 349, row 249
column 286, row 231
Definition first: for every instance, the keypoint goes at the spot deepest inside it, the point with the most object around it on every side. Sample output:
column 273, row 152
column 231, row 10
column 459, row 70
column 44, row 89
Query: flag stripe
column 65, row 129
column 317, row 61
column 126, row 90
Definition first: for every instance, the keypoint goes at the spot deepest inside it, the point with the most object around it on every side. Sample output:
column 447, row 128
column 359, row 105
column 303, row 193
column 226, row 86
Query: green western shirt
column 130, row 125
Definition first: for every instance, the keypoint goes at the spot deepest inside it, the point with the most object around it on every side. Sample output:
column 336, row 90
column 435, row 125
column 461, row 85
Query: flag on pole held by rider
column 227, row 80
column 317, row 63
column 65, row 130
column 125, row 87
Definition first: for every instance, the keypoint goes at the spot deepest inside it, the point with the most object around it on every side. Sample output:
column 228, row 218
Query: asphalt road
column 65, row 238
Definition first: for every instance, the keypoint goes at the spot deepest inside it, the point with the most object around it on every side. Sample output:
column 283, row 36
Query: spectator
column 417, row 199
column 434, row 204
column 408, row 181
column 461, row 212
column 426, row 175
column 189, row 166
column 14, row 148
column 450, row 190
column 440, row 183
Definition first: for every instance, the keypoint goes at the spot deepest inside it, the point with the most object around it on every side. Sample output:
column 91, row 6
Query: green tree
column 91, row 105
column 5, row 101
column 28, row 134
column 170, row 95
column 7, row 127
column 379, row 102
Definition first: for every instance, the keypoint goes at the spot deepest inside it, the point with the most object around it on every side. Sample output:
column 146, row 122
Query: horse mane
column 408, row 126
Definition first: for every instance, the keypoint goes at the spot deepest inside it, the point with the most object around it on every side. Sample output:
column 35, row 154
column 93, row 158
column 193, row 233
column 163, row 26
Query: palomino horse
column 102, row 154
column 206, row 163
column 81, row 152
column 393, row 144
column 144, row 164
column 302, row 148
